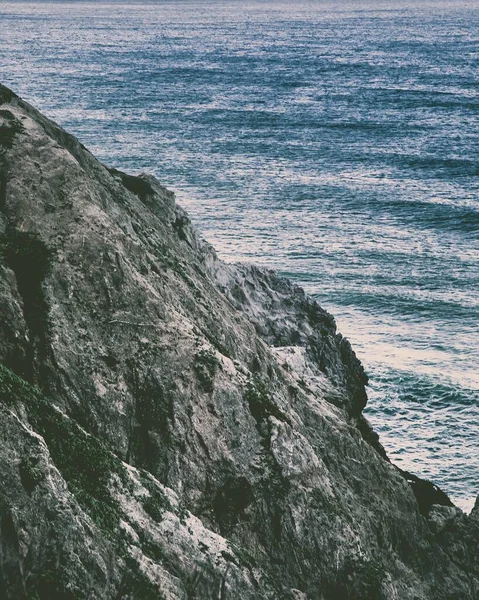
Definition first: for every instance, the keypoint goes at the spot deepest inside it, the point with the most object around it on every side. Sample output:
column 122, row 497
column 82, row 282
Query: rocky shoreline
column 176, row 427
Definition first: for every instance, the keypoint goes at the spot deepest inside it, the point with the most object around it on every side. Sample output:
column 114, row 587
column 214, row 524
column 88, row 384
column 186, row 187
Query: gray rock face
column 175, row 427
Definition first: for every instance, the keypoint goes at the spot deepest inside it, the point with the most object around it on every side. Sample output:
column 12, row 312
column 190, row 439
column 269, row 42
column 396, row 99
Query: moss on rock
column 84, row 462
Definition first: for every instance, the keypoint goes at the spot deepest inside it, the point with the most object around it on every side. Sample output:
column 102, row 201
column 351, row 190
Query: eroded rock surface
column 174, row 427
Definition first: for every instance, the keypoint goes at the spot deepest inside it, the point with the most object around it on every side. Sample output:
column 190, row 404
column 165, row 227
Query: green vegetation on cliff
column 84, row 462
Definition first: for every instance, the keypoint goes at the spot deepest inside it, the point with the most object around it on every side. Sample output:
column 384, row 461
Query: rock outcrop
column 176, row 427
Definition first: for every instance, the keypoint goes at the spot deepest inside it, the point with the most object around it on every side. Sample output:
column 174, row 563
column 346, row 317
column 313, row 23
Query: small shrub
column 13, row 389
column 357, row 579
column 31, row 474
column 135, row 584
column 205, row 366
column 157, row 503
column 182, row 514
column 213, row 340
column 261, row 403
column 148, row 545
column 244, row 556
column 324, row 503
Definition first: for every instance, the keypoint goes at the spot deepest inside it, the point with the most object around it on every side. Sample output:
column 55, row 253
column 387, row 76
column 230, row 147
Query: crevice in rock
column 274, row 485
column 151, row 432
column 230, row 502
column 3, row 186
column 29, row 258
column 12, row 581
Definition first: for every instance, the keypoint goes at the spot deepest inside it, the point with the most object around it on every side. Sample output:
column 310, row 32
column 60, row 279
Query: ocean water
column 337, row 142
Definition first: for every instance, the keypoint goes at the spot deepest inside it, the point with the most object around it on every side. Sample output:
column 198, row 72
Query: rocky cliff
column 175, row 427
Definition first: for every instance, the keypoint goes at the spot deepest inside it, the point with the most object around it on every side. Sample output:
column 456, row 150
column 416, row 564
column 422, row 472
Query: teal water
column 336, row 142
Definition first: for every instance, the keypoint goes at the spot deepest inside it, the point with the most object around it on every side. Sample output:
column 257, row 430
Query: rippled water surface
column 336, row 142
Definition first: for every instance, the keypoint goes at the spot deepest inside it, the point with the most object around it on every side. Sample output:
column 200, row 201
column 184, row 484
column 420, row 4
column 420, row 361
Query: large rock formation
column 175, row 427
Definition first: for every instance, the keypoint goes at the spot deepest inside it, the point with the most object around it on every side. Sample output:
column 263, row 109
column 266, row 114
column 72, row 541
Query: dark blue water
column 336, row 142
